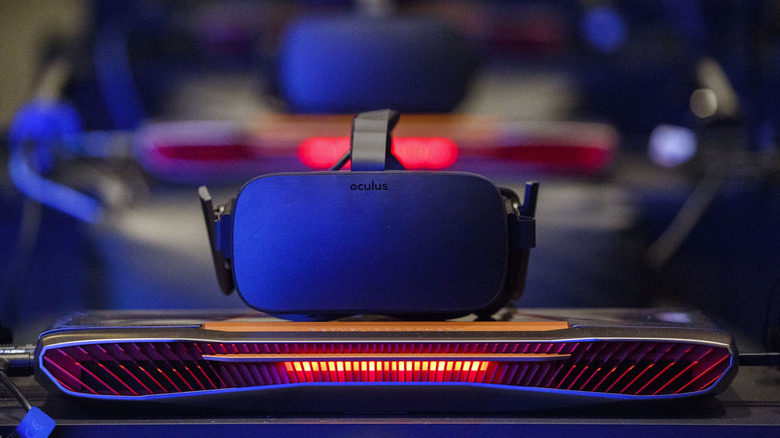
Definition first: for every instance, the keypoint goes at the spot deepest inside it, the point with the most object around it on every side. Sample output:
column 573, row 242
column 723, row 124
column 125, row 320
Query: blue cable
column 50, row 193
column 38, row 129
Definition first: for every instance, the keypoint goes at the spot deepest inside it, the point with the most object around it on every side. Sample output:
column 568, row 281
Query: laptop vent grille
column 635, row 368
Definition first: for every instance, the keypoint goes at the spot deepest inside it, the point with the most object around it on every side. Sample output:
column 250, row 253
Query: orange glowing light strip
column 473, row 371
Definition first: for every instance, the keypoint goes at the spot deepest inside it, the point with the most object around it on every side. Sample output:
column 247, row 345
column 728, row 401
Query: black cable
column 4, row 365
column 342, row 161
column 18, row 361
column 759, row 359
column 684, row 221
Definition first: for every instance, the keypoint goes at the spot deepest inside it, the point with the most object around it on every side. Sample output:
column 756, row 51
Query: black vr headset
column 376, row 240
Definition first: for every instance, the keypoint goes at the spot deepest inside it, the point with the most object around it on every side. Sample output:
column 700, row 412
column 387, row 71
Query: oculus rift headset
column 375, row 240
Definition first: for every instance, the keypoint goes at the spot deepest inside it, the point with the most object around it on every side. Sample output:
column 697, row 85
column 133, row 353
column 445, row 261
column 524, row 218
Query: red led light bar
column 413, row 152
column 387, row 371
column 194, row 150
column 554, row 157
column 205, row 153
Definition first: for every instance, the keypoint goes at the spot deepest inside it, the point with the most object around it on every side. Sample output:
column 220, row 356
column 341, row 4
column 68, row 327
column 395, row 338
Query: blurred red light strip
column 413, row 152
column 194, row 150
column 209, row 153
column 553, row 157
